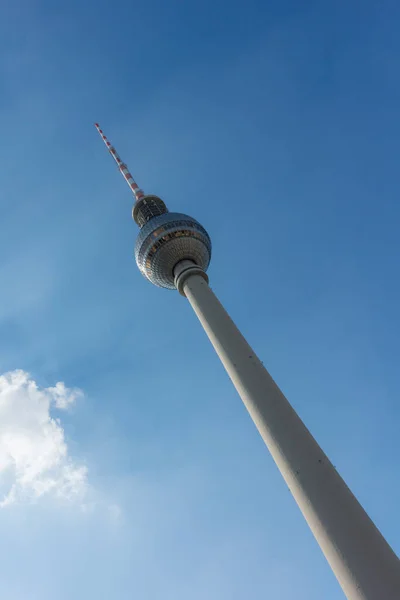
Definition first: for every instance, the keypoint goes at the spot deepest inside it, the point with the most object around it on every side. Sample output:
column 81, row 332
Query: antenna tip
column 96, row 125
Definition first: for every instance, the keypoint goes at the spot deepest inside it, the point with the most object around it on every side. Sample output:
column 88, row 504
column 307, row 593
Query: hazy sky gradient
column 276, row 125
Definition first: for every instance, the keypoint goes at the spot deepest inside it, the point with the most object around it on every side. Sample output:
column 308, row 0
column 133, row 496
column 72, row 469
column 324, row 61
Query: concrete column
column 363, row 562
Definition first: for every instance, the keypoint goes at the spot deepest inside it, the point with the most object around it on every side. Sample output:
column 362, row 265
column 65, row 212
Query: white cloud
column 34, row 459
column 62, row 396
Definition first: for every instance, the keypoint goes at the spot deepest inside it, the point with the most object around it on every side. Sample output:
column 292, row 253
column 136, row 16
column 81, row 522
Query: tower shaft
column 363, row 562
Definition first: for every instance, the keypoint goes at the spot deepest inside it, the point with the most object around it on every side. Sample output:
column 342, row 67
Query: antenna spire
column 135, row 189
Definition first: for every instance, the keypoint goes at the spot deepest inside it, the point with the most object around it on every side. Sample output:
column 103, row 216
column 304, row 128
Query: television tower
column 173, row 251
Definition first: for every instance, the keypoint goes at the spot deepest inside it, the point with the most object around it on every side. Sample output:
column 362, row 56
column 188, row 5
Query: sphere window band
column 167, row 238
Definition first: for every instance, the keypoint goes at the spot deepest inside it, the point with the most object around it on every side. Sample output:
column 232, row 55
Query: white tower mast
column 173, row 251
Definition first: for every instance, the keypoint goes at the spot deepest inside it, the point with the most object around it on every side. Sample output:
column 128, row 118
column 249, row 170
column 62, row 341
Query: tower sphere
column 167, row 239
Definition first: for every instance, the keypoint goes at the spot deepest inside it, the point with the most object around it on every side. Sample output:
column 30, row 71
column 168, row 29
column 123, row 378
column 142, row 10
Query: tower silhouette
column 173, row 251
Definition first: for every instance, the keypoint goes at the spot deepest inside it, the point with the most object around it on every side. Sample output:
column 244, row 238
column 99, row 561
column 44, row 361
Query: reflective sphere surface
column 166, row 240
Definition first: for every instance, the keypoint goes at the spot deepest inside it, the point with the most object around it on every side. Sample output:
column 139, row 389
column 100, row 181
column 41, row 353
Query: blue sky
column 276, row 125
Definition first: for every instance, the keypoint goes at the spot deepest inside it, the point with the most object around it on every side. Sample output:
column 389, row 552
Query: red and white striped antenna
column 137, row 192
